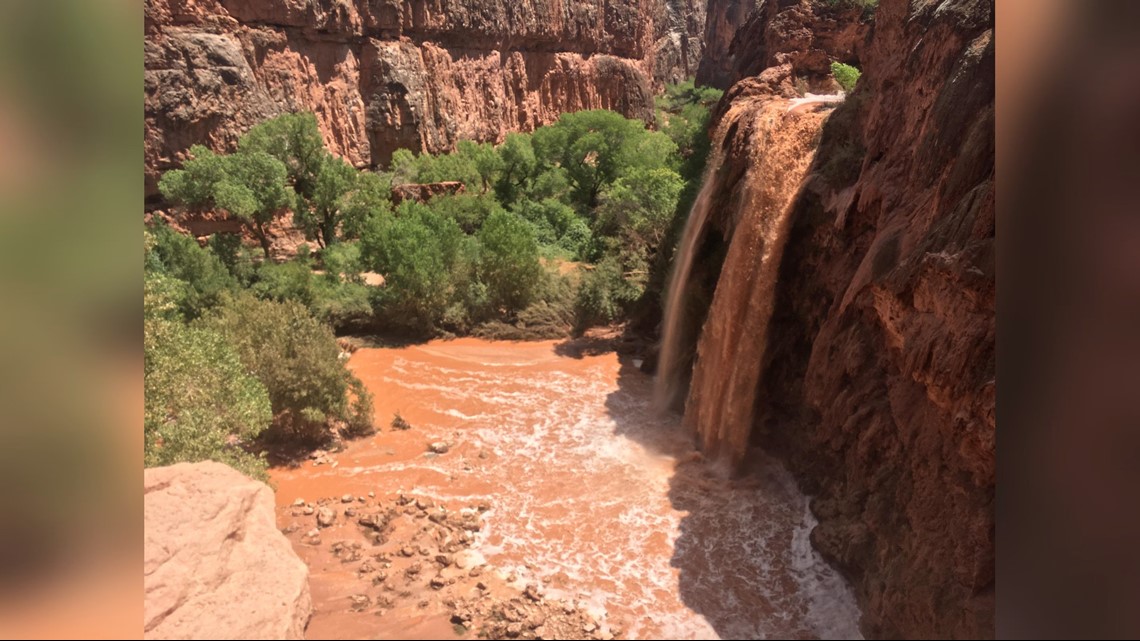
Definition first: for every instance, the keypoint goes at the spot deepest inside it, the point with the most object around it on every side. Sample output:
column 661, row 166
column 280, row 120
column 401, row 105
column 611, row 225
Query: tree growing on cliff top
column 845, row 75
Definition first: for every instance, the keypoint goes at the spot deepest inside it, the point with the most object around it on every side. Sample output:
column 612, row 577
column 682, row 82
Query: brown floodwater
column 592, row 492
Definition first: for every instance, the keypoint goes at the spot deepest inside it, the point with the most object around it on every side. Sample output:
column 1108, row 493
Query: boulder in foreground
column 216, row 567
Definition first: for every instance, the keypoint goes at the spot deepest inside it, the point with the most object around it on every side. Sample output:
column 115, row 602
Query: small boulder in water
column 439, row 447
column 399, row 424
column 533, row 592
column 325, row 517
column 360, row 601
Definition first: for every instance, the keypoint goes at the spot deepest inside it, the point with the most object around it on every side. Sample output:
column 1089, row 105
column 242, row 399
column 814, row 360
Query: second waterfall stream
column 762, row 152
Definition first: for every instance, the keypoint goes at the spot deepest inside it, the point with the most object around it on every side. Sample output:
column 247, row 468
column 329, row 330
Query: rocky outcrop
column 744, row 37
column 386, row 74
column 722, row 19
column 423, row 192
column 876, row 382
column 215, row 565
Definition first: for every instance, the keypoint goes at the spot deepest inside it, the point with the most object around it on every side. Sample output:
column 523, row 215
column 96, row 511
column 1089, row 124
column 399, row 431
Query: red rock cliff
column 877, row 378
column 385, row 74
column 744, row 37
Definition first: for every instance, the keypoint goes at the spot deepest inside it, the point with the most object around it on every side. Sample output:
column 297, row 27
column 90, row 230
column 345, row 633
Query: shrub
column 845, row 75
column 467, row 210
column 607, row 293
column 204, row 275
column 418, row 252
column 509, row 261
column 200, row 402
column 296, row 358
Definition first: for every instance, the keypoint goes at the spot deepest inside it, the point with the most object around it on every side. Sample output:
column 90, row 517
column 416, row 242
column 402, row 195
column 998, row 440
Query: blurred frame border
column 71, row 197
column 70, row 351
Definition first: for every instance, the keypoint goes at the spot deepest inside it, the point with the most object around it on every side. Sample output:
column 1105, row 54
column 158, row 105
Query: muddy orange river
column 593, row 494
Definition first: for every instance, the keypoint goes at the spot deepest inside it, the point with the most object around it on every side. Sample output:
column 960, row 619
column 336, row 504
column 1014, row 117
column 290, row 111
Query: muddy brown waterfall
column 667, row 384
column 778, row 147
column 874, row 379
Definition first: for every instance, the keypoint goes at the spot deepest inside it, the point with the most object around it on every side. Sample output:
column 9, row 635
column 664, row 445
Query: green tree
column 194, row 185
column 296, row 358
column 370, row 198
column 321, row 181
column 509, row 261
column 517, row 164
column 597, row 147
column 468, row 210
column 294, row 140
column 250, row 185
column 203, row 276
column 845, row 75
column 321, row 214
column 485, row 159
column 200, row 403
column 254, row 191
column 640, row 206
column 417, row 251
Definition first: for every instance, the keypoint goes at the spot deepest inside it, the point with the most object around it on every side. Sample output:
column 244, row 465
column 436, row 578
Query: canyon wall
column 876, row 379
column 386, row 74
column 744, row 37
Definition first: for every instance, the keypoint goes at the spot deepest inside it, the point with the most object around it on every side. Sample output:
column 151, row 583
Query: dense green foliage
column 593, row 187
column 239, row 347
column 509, row 261
column 297, row 359
column 201, row 275
column 222, row 366
column 330, row 199
column 845, row 75
column 250, row 185
column 200, row 402
column 422, row 255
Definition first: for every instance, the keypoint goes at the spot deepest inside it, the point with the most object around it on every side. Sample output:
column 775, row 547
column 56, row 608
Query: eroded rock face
column 216, row 567
column 745, row 37
column 879, row 377
column 385, row 74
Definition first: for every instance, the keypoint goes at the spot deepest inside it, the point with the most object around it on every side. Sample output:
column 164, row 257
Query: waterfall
column 776, row 147
column 666, row 386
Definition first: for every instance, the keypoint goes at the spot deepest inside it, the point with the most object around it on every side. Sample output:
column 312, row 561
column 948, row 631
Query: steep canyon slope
column 744, row 37
column 386, row 74
column 877, row 374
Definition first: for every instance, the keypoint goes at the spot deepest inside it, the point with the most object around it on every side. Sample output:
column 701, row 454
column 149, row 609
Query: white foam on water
column 588, row 492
